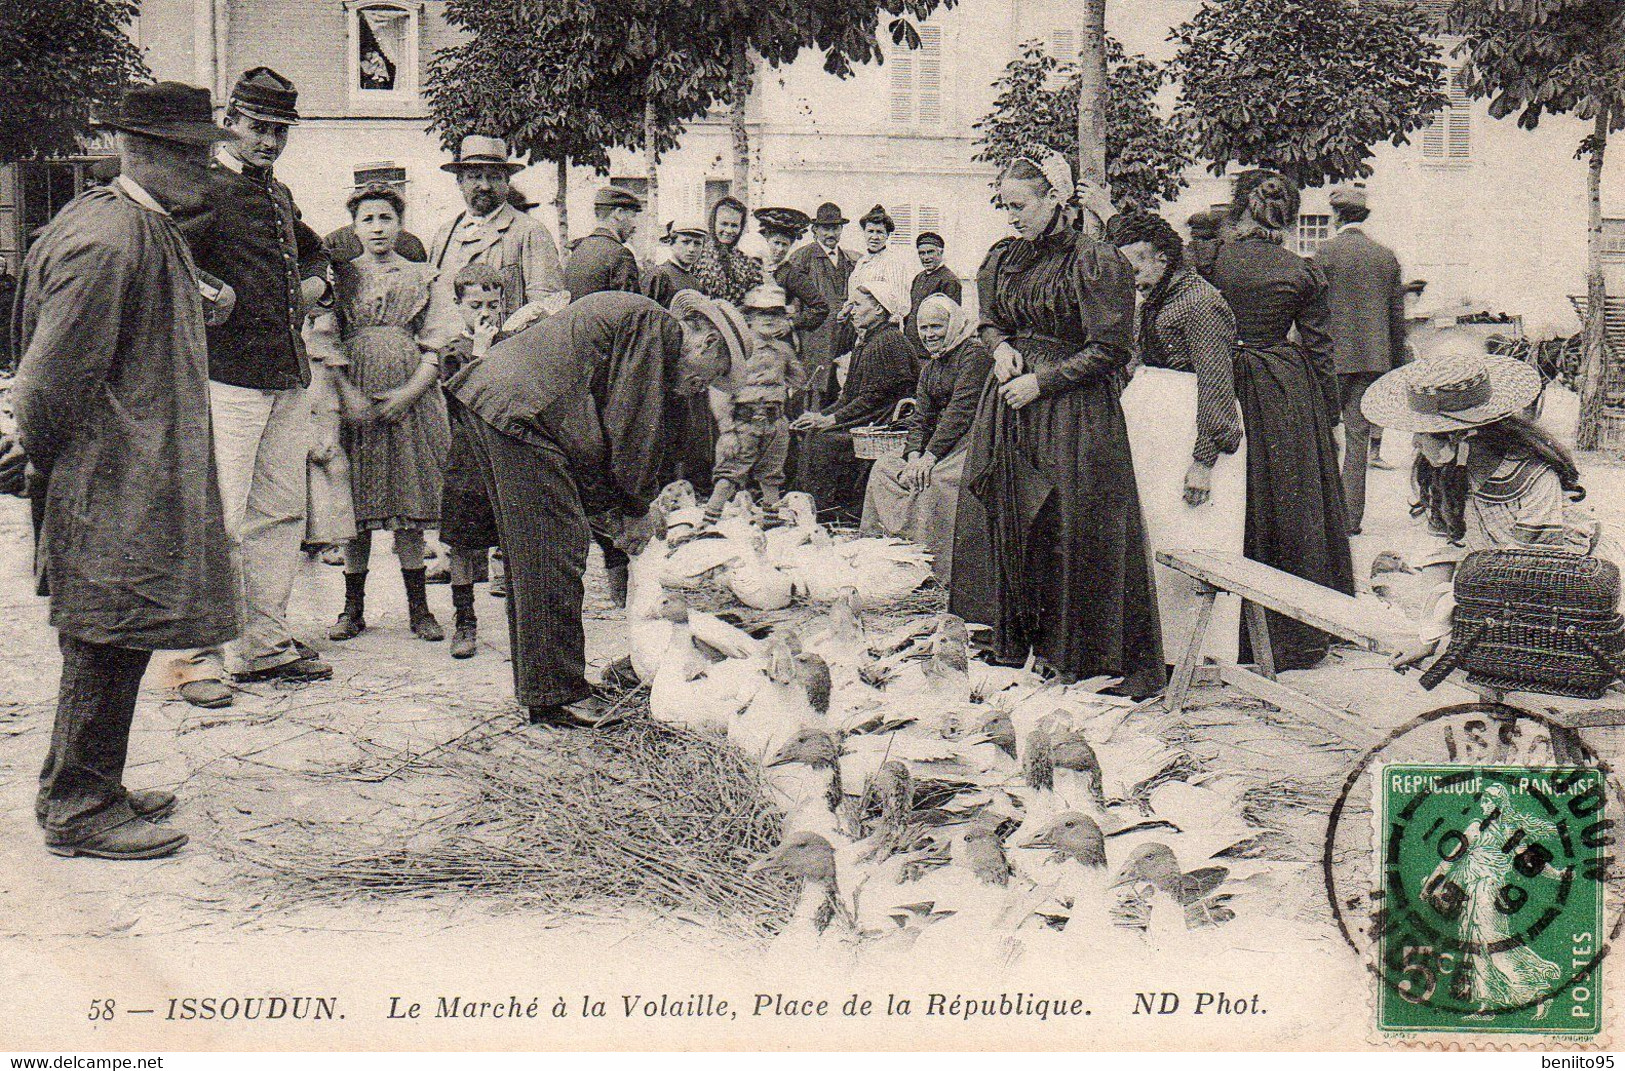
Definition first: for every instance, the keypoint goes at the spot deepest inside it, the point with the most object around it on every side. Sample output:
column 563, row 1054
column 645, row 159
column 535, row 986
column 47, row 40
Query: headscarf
column 1055, row 169
column 722, row 270
column 888, row 294
column 961, row 324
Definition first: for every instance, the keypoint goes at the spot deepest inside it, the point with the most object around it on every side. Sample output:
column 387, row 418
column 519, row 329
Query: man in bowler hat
column 601, row 260
column 112, row 403
column 820, row 266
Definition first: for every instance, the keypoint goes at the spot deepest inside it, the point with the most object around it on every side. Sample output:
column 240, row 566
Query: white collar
column 228, row 159
column 1358, row 226
column 139, row 195
column 470, row 220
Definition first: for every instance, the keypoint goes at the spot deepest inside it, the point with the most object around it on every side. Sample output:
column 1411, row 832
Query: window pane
column 381, row 47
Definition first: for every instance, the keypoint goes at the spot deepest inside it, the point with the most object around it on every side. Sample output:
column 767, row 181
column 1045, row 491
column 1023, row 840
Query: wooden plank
column 1607, row 712
column 1180, row 686
column 1339, row 723
column 1258, row 632
column 1360, row 622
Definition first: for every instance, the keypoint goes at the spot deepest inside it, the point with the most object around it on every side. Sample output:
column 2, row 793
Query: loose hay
column 644, row 814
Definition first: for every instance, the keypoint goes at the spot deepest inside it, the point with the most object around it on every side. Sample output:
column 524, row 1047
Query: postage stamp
column 1491, row 918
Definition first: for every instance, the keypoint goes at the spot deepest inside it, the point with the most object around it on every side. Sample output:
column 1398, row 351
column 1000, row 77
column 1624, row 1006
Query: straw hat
column 477, row 150
column 1454, row 390
column 728, row 321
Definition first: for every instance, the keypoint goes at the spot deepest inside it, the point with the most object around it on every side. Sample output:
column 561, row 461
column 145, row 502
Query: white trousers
column 261, row 444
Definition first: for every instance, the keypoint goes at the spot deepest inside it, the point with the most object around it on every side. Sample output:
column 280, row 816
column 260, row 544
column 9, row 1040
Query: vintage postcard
column 864, row 525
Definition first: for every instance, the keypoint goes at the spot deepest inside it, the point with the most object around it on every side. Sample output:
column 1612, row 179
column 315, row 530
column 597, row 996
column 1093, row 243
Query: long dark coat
column 112, row 400
column 1049, row 545
column 822, row 335
column 1365, row 297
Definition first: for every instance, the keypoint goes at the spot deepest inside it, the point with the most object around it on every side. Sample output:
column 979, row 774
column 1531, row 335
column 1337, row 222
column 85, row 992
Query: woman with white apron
column 1184, row 426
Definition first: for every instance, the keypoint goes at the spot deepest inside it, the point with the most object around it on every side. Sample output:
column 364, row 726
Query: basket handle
column 1608, row 661
column 1452, row 657
column 904, row 408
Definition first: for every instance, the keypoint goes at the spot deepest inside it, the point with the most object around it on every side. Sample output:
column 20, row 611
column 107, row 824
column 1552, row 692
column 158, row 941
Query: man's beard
column 483, row 204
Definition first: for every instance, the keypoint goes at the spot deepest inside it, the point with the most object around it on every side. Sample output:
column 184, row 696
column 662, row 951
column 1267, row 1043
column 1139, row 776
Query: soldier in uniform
column 601, row 260
column 247, row 232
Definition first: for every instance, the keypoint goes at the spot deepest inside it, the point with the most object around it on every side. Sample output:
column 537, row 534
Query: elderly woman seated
column 881, row 374
column 915, row 495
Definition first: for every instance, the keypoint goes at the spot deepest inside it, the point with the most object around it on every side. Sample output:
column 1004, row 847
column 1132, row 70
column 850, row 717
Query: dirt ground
column 71, row 930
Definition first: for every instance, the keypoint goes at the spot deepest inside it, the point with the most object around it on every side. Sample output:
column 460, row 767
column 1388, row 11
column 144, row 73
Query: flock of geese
column 931, row 798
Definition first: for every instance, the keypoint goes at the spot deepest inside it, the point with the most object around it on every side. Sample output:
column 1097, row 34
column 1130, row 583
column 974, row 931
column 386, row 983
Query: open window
column 383, row 51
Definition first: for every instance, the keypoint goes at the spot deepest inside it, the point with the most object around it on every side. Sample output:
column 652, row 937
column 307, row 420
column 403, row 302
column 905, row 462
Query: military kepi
column 168, row 111
column 263, row 94
column 616, row 197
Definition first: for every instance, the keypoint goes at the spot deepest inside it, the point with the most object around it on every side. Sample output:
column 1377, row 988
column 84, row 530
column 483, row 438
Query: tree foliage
column 1037, row 104
column 1538, row 57
column 60, row 60
column 1307, row 87
column 1534, row 57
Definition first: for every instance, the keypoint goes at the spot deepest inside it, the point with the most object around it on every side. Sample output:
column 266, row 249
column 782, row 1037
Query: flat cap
column 1348, row 197
column 616, row 197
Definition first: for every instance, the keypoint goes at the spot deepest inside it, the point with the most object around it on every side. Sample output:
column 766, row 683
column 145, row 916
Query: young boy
column 755, row 433
column 467, row 524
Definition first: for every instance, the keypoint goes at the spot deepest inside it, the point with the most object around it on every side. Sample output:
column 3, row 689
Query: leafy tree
column 1306, row 87
column 1537, row 57
column 1038, row 104
column 59, row 61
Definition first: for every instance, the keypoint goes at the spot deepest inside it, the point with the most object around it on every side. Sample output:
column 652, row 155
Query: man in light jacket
column 1366, row 298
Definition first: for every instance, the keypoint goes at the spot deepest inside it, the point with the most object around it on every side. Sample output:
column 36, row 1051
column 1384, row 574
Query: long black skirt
column 1076, row 587
column 1296, row 517
column 827, row 469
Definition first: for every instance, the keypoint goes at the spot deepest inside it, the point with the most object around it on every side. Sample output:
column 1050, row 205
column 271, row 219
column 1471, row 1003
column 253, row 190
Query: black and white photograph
column 899, row 525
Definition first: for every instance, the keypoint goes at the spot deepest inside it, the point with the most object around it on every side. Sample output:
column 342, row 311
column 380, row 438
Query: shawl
column 961, row 324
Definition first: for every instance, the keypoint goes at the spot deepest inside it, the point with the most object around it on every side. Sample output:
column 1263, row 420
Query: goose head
column 798, row 508
column 950, row 647
column 679, row 494
column 1073, row 835
column 741, row 505
column 997, row 729
column 1073, row 752
column 813, row 672
column 984, row 855
column 845, row 615
column 810, row 746
column 1153, row 864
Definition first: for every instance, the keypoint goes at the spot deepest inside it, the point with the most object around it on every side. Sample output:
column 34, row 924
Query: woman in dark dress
column 1289, row 404
column 882, row 373
column 1049, row 545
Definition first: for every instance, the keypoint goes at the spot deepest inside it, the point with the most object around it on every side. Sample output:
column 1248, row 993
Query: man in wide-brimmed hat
column 822, row 267
column 112, row 405
column 601, row 260
column 571, row 421
column 491, row 231
column 1365, row 297
column 248, row 233
column 686, row 236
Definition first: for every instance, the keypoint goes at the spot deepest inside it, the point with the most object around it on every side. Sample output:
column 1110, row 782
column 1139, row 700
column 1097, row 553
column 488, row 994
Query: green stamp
column 1491, row 917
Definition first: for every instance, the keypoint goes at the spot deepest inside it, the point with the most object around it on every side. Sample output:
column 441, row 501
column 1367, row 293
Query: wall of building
column 1504, row 226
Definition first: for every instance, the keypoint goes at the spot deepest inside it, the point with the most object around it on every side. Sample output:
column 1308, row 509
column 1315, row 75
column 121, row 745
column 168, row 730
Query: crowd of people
column 206, row 386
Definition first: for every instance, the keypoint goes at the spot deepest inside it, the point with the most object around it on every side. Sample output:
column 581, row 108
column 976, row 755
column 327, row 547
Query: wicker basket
column 875, row 441
column 1536, row 621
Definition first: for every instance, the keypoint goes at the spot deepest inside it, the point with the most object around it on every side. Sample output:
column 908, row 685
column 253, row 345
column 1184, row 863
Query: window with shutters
column 1063, row 45
column 916, row 81
column 912, row 221
column 1613, row 240
column 1449, row 137
column 383, row 51
column 1312, row 230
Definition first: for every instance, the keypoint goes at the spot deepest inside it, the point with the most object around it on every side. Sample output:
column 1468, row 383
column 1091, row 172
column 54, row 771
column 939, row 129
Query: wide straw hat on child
column 1457, row 389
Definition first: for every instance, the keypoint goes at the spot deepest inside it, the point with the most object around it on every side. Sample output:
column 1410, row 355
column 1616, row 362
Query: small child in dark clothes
column 467, row 522
column 755, row 433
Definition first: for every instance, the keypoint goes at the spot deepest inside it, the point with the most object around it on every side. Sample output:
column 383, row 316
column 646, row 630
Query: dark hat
column 878, row 214
column 830, row 215
column 931, row 238
column 263, row 94
column 106, row 170
column 616, row 197
column 168, row 111
column 479, row 150
column 791, row 222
